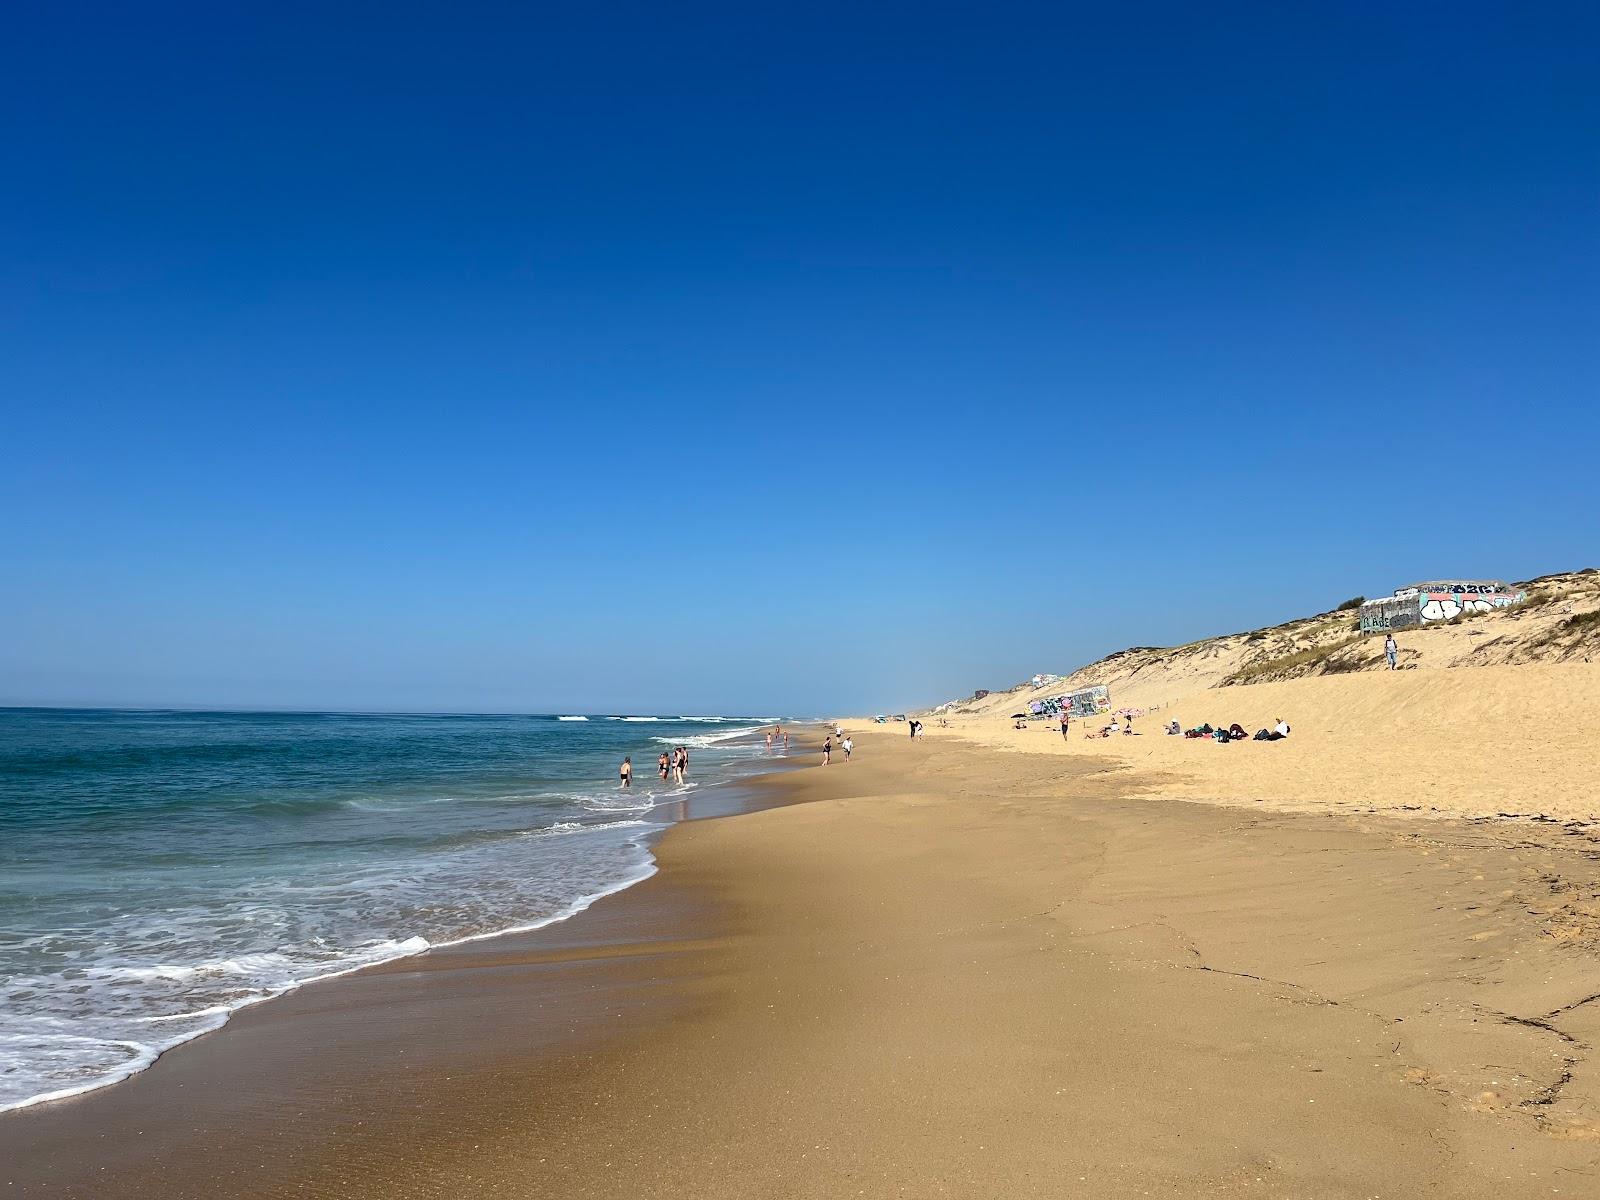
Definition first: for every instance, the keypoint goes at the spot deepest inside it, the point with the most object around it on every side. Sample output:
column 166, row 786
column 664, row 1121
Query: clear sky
column 802, row 357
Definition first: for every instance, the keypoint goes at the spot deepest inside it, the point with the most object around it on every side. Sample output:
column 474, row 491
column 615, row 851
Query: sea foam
column 163, row 870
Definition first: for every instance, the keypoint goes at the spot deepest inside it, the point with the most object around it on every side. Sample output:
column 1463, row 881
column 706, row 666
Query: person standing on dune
column 1391, row 650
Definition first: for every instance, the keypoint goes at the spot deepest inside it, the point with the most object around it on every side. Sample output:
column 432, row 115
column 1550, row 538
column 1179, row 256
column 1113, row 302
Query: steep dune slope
column 1560, row 622
column 1494, row 715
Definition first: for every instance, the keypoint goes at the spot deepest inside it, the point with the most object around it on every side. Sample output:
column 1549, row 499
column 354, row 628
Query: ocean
column 159, row 870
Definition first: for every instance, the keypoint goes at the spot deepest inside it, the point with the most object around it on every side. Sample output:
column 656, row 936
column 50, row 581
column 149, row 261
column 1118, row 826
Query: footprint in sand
column 1486, row 1102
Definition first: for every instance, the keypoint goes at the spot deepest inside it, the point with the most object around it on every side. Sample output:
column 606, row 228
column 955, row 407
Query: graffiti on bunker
column 1390, row 612
column 1440, row 601
column 1089, row 701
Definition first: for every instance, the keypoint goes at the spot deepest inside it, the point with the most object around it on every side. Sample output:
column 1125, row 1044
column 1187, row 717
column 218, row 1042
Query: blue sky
column 770, row 357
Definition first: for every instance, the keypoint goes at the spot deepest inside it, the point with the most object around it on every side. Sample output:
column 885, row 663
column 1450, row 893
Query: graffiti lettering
column 1426, row 602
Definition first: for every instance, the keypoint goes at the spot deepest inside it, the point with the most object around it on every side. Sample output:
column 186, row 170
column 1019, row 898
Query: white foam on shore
column 702, row 740
column 209, row 1019
column 47, row 1038
column 167, row 973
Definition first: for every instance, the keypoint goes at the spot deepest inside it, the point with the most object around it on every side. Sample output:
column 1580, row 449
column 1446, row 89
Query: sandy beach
column 467, row 460
column 954, row 971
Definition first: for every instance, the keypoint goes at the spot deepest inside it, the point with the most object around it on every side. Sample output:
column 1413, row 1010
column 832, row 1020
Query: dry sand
column 1466, row 741
column 955, row 973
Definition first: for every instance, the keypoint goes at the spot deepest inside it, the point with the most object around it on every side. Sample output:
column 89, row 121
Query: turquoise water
column 158, row 870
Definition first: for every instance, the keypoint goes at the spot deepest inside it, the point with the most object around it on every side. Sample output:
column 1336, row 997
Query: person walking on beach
column 848, row 746
column 1391, row 649
column 1064, row 722
column 627, row 772
column 827, row 749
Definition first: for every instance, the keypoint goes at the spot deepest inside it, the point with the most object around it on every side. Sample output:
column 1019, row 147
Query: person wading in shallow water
column 627, row 772
column 663, row 765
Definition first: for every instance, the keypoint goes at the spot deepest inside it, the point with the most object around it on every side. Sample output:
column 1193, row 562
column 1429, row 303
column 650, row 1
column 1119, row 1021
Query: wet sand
column 956, row 972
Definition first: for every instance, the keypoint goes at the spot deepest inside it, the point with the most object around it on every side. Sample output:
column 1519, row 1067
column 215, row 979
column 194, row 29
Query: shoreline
column 736, row 793
column 1017, row 940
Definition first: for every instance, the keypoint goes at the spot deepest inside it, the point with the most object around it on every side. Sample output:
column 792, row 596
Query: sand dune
column 1560, row 622
column 1495, row 714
